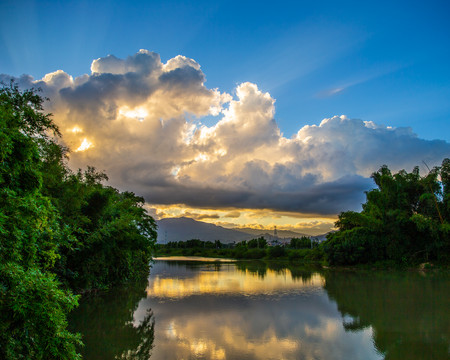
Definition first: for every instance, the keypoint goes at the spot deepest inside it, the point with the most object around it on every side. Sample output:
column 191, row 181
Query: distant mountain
column 284, row 234
column 182, row 229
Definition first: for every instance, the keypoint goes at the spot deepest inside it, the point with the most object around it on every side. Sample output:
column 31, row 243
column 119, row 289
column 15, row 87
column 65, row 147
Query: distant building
column 273, row 240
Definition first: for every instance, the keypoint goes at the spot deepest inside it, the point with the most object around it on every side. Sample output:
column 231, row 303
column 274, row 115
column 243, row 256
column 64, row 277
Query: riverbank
column 243, row 253
column 309, row 257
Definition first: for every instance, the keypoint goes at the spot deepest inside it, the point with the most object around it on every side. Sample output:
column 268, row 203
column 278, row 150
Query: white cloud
column 135, row 114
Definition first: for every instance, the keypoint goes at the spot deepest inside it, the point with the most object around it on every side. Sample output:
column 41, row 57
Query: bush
column 277, row 251
column 356, row 246
column 298, row 254
column 255, row 254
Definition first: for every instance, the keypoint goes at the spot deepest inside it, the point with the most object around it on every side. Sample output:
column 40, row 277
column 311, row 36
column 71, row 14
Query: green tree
column 300, row 243
column 405, row 219
column 259, row 243
column 112, row 235
column 33, row 307
column 277, row 251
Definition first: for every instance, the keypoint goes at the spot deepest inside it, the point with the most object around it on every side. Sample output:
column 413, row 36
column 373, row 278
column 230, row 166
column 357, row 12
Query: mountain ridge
column 184, row 228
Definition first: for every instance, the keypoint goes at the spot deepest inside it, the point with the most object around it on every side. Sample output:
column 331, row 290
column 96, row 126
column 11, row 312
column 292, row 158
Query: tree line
column 61, row 233
column 257, row 248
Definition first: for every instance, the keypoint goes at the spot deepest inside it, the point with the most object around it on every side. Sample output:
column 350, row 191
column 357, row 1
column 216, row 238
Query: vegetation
column 405, row 220
column 253, row 249
column 59, row 232
column 301, row 243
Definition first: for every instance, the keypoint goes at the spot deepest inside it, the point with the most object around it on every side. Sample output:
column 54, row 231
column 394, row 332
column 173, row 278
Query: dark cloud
column 329, row 198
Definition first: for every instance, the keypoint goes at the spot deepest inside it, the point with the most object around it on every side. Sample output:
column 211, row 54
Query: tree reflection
column 258, row 268
column 408, row 312
column 106, row 324
column 298, row 272
column 195, row 265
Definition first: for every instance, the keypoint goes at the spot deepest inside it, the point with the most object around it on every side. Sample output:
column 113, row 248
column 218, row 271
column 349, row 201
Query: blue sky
column 390, row 58
column 302, row 101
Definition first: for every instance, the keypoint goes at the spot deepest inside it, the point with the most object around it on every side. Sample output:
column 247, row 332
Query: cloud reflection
column 228, row 281
column 242, row 313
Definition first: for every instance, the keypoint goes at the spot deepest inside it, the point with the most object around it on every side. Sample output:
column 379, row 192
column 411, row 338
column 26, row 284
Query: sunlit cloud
column 137, row 113
column 86, row 144
column 141, row 121
column 232, row 214
column 76, row 130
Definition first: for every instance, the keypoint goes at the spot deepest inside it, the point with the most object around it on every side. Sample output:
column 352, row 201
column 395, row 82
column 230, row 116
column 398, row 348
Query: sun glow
column 86, row 144
column 202, row 157
column 76, row 130
column 138, row 113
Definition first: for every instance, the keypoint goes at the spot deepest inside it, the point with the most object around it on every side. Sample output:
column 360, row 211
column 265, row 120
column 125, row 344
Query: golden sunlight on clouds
column 223, row 282
column 138, row 113
column 260, row 219
column 76, row 130
column 86, row 144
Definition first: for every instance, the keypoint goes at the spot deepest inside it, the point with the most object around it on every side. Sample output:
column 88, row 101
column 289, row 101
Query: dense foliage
column 257, row 248
column 404, row 220
column 59, row 231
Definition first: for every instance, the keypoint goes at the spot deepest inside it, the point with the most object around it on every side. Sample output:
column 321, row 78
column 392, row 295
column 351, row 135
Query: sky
column 239, row 113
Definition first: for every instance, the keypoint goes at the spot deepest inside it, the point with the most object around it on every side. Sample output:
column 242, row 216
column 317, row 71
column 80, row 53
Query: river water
column 191, row 309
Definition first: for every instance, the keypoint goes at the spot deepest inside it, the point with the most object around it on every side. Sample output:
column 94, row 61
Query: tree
column 33, row 307
column 300, row 243
column 405, row 219
column 259, row 243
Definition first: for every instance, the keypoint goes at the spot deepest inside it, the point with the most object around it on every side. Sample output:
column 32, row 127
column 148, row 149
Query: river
column 191, row 309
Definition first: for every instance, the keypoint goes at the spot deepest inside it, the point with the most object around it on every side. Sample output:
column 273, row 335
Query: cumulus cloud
column 133, row 118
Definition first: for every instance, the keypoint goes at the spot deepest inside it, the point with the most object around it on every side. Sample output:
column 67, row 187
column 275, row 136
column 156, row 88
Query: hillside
column 181, row 229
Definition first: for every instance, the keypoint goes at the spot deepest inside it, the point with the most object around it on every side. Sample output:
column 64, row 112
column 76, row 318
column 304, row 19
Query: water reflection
column 247, row 311
column 253, row 310
column 108, row 328
column 408, row 312
column 220, row 279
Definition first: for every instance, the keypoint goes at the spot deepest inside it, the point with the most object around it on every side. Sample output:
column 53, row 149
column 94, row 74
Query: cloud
column 232, row 214
column 139, row 116
column 197, row 216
